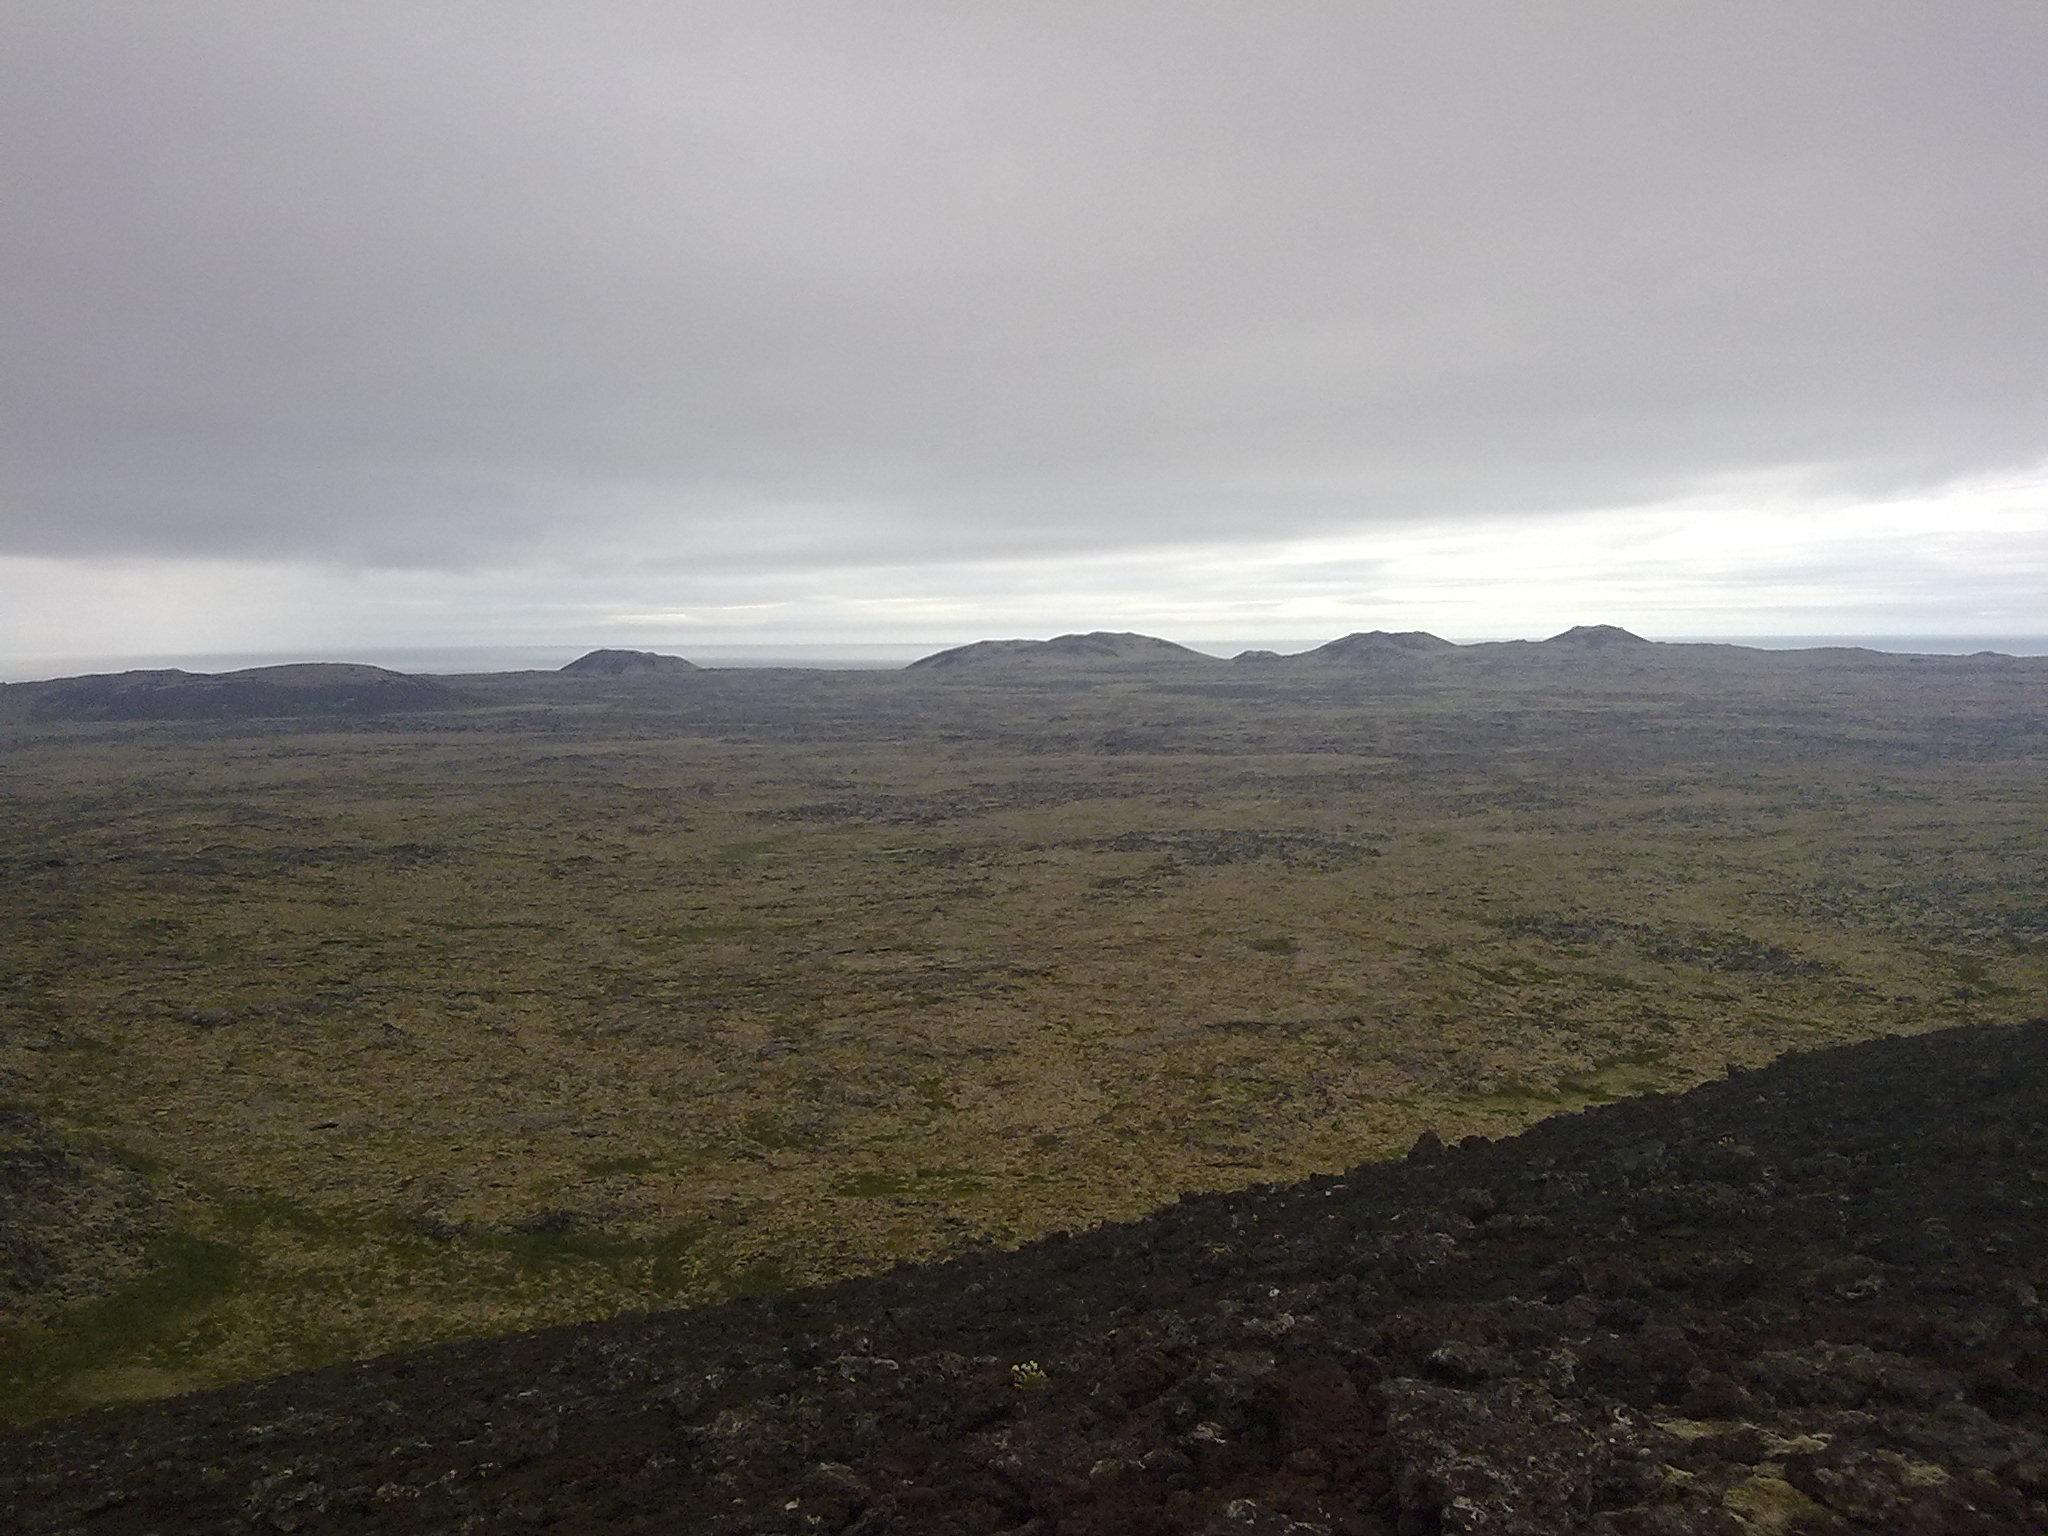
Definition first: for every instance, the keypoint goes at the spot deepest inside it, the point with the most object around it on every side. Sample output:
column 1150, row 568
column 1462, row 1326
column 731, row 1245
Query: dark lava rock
column 1511, row 1459
column 1428, row 1148
column 1503, row 1337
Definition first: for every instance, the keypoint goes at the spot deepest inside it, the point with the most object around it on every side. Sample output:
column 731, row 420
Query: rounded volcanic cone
column 1380, row 645
column 1096, row 649
column 1598, row 637
column 616, row 663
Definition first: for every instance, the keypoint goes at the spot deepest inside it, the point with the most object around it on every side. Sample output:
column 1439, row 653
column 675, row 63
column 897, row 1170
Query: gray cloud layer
column 739, row 286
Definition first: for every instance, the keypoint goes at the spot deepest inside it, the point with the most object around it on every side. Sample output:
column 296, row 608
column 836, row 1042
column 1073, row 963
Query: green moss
column 1770, row 1504
column 1519, row 1093
column 1643, row 1053
column 761, row 1277
column 95, row 1143
column 1610, row 981
column 245, row 1214
column 631, row 1163
column 1590, row 1088
column 918, row 1184
column 156, row 1322
column 1497, row 976
column 683, row 935
column 751, row 852
column 773, row 1133
column 545, row 1247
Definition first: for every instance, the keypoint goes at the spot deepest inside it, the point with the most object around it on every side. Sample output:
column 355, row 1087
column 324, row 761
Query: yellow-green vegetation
column 589, row 997
column 1771, row 1505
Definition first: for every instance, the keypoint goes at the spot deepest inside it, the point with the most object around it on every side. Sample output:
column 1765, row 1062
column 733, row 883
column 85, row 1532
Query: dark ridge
column 1379, row 645
column 1803, row 1298
column 610, row 663
column 1597, row 636
column 302, row 688
column 1100, row 647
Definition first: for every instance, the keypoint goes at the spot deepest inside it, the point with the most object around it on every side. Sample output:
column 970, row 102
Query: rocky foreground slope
column 1807, row 1298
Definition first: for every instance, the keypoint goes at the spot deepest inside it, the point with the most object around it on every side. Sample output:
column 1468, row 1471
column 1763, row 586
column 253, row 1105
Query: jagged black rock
column 1805, row 1298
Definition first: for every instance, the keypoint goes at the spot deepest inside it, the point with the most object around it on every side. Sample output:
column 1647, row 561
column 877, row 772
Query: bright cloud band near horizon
column 343, row 326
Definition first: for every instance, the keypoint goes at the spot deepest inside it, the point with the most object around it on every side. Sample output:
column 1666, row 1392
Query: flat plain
column 545, row 998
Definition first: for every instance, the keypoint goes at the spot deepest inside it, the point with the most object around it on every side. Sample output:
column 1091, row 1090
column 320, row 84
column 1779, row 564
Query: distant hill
column 1597, row 637
column 1379, row 645
column 609, row 663
column 1099, row 648
column 302, row 688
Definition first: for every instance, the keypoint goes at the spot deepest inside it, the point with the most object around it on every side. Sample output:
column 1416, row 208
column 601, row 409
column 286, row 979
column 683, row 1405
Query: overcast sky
column 350, row 325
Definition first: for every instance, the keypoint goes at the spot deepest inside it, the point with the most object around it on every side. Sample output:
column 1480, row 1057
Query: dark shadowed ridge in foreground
column 611, row 663
column 1806, row 1298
